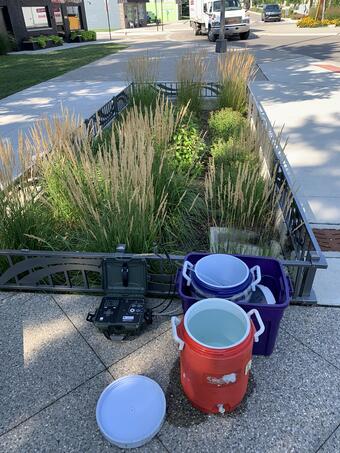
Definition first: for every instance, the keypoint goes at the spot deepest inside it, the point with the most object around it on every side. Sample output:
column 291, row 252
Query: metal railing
column 108, row 112
column 306, row 257
column 82, row 272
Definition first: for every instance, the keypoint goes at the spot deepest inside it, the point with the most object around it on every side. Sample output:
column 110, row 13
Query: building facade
column 165, row 10
column 117, row 13
column 26, row 18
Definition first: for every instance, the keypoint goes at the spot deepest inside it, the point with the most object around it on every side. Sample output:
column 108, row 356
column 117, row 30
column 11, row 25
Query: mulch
column 329, row 240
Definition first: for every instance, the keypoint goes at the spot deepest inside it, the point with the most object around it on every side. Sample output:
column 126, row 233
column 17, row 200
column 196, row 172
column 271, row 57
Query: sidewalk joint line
column 52, row 402
column 82, row 336
column 312, row 350
column 140, row 347
column 331, row 434
column 161, row 442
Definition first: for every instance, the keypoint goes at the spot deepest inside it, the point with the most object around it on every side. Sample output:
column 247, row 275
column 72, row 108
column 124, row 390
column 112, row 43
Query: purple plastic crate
column 273, row 276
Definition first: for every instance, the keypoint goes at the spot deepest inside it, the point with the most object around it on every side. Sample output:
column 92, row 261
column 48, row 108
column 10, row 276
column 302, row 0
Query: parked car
column 271, row 12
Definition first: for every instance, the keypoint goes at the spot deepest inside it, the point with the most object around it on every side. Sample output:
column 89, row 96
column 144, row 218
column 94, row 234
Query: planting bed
column 157, row 180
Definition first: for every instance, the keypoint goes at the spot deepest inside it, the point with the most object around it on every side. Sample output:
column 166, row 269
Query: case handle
column 187, row 265
column 256, row 273
column 259, row 332
column 90, row 317
column 174, row 323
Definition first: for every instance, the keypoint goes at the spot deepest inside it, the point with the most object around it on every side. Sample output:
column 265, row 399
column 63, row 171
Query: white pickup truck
column 205, row 18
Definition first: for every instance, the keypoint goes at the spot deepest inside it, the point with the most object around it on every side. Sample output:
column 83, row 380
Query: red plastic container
column 215, row 373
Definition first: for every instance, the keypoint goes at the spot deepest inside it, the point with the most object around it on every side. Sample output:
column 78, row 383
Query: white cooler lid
column 131, row 411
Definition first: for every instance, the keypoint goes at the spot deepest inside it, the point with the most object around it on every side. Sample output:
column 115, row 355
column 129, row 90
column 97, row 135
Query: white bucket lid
column 131, row 411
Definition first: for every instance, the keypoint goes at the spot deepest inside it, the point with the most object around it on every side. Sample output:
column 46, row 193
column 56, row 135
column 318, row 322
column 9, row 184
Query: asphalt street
column 321, row 43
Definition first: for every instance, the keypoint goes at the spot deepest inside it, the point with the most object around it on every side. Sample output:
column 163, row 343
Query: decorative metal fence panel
column 170, row 89
column 108, row 112
column 82, row 272
column 77, row 272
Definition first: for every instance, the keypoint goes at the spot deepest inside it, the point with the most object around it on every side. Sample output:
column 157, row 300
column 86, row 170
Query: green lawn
column 18, row 72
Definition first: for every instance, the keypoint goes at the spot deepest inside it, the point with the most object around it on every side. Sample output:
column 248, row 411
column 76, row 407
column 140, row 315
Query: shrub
column 57, row 40
column 191, row 70
column 88, row 35
column 239, row 149
column 4, row 44
column 188, row 147
column 40, row 40
column 226, row 123
column 235, row 69
column 74, row 35
column 309, row 22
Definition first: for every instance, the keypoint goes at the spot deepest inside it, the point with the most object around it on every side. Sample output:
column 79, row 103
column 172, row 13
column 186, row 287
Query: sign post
column 108, row 18
column 221, row 43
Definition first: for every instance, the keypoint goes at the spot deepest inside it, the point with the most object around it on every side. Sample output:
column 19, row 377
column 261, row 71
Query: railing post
column 306, row 292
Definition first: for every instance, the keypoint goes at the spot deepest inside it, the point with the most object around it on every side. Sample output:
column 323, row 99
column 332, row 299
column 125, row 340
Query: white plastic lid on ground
column 131, row 411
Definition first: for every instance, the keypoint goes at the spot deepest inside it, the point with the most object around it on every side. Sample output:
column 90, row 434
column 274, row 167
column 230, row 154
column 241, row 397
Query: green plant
column 309, row 22
column 57, row 40
column 235, row 69
column 74, row 35
column 239, row 149
column 127, row 191
column 142, row 69
column 144, row 95
column 40, row 40
column 142, row 72
column 241, row 201
column 188, row 147
column 226, row 123
column 191, row 70
column 4, row 44
column 88, row 35
column 22, row 215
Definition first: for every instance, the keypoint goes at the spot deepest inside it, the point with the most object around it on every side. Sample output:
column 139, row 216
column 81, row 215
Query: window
column 58, row 17
column 272, row 8
column 229, row 5
column 35, row 16
column 73, row 14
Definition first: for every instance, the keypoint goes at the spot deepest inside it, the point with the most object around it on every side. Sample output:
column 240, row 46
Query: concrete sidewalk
column 55, row 365
column 21, row 111
column 302, row 96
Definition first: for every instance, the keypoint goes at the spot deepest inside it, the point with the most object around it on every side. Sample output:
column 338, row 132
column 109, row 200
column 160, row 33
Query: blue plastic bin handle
column 259, row 332
column 256, row 273
column 174, row 323
column 187, row 265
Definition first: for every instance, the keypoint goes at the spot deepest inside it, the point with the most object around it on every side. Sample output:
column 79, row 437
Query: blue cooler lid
column 131, row 411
